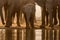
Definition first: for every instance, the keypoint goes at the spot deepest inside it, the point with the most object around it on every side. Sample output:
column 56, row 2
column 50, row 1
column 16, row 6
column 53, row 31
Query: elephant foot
column 7, row 25
column 51, row 26
column 42, row 26
column 3, row 23
column 59, row 24
column 18, row 25
column 28, row 27
column 47, row 24
column 55, row 23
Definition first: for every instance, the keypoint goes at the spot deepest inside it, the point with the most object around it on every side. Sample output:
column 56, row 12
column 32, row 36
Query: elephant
column 46, row 13
column 26, row 6
column 13, row 15
column 6, row 5
column 51, row 6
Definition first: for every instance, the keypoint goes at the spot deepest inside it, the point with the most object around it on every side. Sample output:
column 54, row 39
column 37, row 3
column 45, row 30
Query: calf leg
column 32, row 18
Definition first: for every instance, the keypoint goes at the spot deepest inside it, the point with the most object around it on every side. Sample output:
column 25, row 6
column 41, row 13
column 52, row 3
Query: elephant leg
column 55, row 15
column 59, row 14
column 9, row 17
column 47, row 14
column 32, row 21
column 28, row 9
column 27, row 21
column 18, row 17
column 32, row 18
column 51, row 17
column 1, row 15
column 21, row 19
column 43, row 18
column 6, row 13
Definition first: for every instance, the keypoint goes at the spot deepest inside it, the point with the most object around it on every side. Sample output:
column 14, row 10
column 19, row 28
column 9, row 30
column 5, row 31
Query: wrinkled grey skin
column 27, row 7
